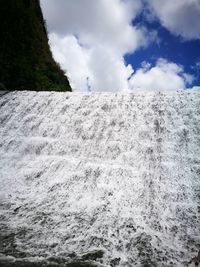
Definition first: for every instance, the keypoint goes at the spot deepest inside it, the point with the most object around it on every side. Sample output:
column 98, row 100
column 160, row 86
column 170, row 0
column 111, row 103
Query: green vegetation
column 26, row 62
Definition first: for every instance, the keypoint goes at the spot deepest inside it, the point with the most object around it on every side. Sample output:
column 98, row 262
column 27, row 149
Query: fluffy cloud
column 94, row 22
column 98, row 67
column 90, row 38
column 164, row 76
column 195, row 88
column 181, row 17
column 73, row 58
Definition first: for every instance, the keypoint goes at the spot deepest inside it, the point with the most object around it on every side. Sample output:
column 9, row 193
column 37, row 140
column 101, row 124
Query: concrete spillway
column 99, row 179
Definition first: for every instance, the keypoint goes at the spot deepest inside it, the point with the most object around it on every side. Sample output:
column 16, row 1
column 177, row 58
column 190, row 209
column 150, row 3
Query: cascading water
column 99, row 179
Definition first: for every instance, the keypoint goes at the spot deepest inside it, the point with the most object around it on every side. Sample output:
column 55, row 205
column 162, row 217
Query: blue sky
column 126, row 45
column 171, row 47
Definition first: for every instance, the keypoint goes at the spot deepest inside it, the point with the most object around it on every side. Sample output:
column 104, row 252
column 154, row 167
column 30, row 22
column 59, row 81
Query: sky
column 126, row 45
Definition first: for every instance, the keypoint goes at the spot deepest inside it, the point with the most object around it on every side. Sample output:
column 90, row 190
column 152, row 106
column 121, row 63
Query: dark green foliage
column 26, row 62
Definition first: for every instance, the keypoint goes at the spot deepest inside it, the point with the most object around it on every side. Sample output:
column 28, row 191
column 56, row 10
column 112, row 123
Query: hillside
column 26, row 61
column 99, row 179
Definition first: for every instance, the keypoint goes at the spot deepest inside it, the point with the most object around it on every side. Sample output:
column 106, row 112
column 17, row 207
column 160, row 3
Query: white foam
column 118, row 172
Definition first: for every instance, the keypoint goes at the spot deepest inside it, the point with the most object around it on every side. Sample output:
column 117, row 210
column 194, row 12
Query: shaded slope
column 111, row 179
column 26, row 62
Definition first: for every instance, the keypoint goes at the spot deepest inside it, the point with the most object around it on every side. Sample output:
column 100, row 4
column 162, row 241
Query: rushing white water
column 105, row 179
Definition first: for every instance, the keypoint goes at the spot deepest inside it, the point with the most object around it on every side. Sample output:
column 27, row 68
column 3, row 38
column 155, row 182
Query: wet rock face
column 99, row 179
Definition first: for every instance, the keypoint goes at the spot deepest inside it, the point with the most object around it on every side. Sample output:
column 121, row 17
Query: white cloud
column 100, row 21
column 164, row 76
column 195, row 88
column 181, row 17
column 73, row 58
column 111, row 73
column 90, row 38
column 106, row 70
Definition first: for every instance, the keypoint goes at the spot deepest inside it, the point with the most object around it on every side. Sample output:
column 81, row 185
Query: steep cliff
column 26, row 61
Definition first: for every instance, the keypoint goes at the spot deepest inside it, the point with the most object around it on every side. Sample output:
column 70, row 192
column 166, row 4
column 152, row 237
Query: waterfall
column 100, row 179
